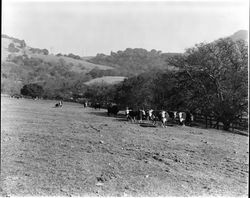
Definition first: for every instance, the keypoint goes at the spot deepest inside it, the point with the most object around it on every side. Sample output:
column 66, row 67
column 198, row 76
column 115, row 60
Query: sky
column 86, row 28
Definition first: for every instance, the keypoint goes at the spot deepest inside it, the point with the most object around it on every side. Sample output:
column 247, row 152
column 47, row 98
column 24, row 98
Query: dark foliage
column 132, row 62
column 77, row 57
column 21, row 43
column 12, row 48
column 211, row 79
column 57, row 79
column 39, row 51
column 33, row 90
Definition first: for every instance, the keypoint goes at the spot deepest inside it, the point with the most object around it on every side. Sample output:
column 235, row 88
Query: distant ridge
column 12, row 47
column 240, row 35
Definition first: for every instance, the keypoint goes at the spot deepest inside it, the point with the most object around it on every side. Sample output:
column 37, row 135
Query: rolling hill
column 77, row 65
column 22, row 64
column 16, row 47
column 60, row 75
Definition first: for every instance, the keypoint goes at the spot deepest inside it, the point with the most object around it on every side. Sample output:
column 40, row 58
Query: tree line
column 132, row 62
column 212, row 79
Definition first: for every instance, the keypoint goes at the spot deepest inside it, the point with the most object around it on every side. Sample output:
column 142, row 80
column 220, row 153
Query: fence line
column 210, row 122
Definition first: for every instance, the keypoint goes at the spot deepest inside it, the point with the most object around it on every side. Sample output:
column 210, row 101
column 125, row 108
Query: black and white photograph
column 125, row 98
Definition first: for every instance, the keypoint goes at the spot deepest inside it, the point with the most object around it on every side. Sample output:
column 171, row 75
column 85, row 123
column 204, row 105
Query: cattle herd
column 162, row 116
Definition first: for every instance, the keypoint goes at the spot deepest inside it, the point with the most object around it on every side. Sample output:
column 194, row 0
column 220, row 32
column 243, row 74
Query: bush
column 33, row 90
column 12, row 48
column 45, row 52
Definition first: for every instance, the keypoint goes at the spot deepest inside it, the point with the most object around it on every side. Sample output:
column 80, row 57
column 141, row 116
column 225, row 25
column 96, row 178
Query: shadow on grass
column 98, row 113
column 121, row 117
column 203, row 126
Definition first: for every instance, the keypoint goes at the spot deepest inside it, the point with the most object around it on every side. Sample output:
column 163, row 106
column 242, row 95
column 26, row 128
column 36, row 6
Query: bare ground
column 74, row 151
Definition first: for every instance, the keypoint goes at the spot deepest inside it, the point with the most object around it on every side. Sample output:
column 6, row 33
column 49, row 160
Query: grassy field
column 106, row 79
column 73, row 151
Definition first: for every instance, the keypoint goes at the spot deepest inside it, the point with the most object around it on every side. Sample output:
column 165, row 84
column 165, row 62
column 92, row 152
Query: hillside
column 77, row 65
column 60, row 75
column 135, row 61
column 16, row 47
column 78, row 152
column 64, row 74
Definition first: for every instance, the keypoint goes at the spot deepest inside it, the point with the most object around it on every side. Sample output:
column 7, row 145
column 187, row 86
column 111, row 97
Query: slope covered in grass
column 76, row 151
column 77, row 65
column 106, row 80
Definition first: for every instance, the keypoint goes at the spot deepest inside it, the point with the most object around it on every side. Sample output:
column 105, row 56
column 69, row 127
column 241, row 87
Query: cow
column 189, row 118
column 171, row 114
column 150, row 115
column 17, row 96
column 132, row 115
column 141, row 115
column 158, row 115
column 182, row 117
column 185, row 118
column 164, row 118
column 113, row 110
column 161, row 116
column 127, row 112
column 59, row 104
column 97, row 105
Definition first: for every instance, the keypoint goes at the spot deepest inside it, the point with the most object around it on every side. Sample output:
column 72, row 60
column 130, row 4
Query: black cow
column 97, row 105
column 59, row 104
column 113, row 110
column 171, row 115
column 189, row 118
column 134, row 115
column 156, row 115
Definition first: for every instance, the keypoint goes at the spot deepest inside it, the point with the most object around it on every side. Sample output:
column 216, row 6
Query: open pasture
column 72, row 151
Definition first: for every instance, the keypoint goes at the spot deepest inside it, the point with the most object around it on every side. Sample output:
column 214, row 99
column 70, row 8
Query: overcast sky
column 87, row 28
